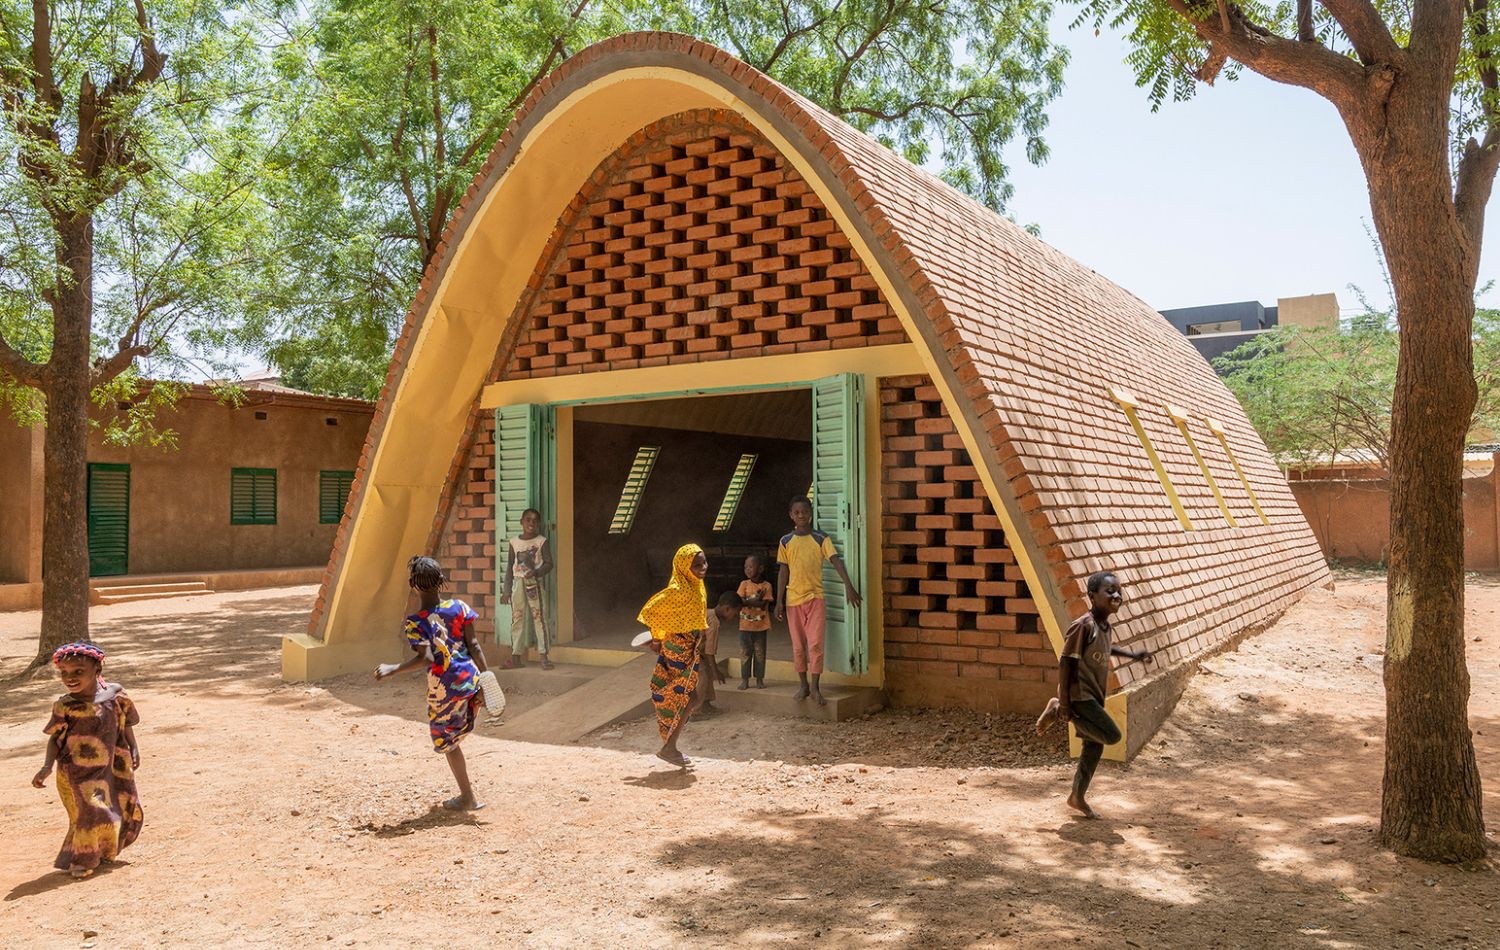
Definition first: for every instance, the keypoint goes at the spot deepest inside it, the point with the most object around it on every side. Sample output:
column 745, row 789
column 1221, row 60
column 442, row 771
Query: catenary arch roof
column 1037, row 355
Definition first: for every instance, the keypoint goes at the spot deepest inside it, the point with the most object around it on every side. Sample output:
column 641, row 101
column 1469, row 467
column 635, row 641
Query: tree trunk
column 65, row 545
column 1431, row 802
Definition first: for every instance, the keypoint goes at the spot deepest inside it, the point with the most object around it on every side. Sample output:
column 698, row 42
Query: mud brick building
column 678, row 294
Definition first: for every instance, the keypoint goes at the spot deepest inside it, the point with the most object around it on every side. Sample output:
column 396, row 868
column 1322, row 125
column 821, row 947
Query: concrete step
column 535, row 681
column 612, row 696
column 117, row 590
column 105, row 598
column 844, row 702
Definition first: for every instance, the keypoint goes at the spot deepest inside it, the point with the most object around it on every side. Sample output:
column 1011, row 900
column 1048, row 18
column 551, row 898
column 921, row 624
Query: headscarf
column 78, row 648
column 683, row 604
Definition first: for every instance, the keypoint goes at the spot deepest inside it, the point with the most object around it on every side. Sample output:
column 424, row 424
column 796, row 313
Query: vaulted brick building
column 678, row 294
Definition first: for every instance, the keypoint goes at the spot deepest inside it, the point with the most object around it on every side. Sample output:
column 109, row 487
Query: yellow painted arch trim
column 457, row 336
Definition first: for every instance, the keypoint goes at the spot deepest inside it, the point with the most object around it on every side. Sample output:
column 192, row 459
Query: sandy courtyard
column 295, row 815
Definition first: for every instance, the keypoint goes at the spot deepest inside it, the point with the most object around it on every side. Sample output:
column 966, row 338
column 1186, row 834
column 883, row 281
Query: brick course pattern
column 695, row 241
column 467, row 543
column 1029, row 339
column 956, row 603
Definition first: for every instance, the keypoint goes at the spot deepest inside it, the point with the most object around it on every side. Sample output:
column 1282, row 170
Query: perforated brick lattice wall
column 955, row 601
column 695, row 241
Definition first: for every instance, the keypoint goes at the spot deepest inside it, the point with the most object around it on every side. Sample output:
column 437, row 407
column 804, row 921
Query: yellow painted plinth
column 304, row 658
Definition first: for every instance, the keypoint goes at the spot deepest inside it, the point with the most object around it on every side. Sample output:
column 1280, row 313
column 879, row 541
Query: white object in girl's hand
column 386, row 669
column 494, row 696
column 641, row 639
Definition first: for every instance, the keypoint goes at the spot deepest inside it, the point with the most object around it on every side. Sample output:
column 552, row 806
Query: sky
column 1249, row 191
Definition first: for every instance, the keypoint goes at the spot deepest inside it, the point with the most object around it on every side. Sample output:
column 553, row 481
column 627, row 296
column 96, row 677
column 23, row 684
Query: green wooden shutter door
column 523, row 479
column 333, row 495
column 838, row 509
column 108, row 519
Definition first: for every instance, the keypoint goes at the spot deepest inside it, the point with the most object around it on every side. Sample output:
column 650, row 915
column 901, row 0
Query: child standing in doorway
column 799, row 593
column 441, row 637
column 91, row 737
column 1083, row 682
column 528, row 560
column 758, row 599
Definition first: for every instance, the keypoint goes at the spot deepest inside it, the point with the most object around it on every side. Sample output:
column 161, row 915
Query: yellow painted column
column 562, row 507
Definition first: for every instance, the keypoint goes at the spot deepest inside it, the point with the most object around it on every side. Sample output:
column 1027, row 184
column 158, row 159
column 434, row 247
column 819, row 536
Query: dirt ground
column 288, row 815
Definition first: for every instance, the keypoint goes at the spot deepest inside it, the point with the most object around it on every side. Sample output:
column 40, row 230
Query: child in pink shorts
column 799, row 593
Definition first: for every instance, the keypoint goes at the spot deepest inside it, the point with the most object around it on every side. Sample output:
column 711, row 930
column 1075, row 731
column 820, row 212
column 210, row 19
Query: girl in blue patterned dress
column 441, row 635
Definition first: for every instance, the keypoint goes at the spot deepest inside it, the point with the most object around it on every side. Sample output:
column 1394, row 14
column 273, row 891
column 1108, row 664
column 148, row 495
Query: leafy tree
column 1317, row 393
column 1417, row 87
column 391, row 106
column 125, row 184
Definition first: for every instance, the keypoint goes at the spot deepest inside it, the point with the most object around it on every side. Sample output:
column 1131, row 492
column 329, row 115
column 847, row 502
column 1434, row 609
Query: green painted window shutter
column 333, row 495
column 838, row 509
column 252, row 496
column 523, row 479
column 108, row 519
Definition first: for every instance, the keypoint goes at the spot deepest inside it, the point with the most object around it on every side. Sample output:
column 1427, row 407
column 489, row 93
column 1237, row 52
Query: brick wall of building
column 956, row 605
column 467, row 544
column 696, row 241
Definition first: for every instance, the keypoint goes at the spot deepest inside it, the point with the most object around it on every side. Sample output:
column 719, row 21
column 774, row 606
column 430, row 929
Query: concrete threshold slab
column 618, row 694
column 844, row 702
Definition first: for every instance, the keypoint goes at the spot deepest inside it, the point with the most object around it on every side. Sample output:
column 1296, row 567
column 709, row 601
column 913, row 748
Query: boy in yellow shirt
column 799, row 593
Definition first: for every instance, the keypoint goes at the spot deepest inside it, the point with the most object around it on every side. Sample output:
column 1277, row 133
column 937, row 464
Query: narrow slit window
column 1179, row 416
column 734, row 492
column 1223, row 438
column 1129, row 405
column 635, row 487
column 333, row 495
column 252, row 496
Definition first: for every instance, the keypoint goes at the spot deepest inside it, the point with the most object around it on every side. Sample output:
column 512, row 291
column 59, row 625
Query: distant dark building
column 1218, row 328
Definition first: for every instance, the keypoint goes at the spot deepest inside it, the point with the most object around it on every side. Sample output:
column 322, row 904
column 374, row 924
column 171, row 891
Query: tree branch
column 23, row 370
column 1366, row 29
column 1437, row 33
column 128, row 348
column 1309, row 65
column 1471, row 193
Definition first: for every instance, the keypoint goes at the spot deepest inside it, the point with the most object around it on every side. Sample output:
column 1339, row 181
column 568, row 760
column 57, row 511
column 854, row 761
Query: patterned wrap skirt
column 452, row 708
column 674, row 680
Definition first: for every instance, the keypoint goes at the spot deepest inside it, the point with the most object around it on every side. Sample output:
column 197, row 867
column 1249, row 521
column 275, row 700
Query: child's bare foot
column 460, row 803
column 801, row 693
column 760, row 684
column 1048, row 716
column 744, row 684
column 707, row 711
column 514, row 663
column 79, row 873
column 673, row 757
column 546, row 663
column 817, row 694
column 1079, row 805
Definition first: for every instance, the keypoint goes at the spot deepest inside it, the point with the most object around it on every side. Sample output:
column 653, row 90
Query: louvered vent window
column 333, row 495
column 635, row 487
column 734, row 493
column 252, row 496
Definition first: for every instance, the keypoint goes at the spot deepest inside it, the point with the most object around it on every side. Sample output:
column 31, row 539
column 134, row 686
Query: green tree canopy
column 1315, row 394
column 389, row 107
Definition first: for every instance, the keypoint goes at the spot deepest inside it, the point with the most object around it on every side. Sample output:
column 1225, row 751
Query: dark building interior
column 699, row 443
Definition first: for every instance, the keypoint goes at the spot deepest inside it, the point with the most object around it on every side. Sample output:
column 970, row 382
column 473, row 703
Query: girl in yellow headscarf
column 675, row 616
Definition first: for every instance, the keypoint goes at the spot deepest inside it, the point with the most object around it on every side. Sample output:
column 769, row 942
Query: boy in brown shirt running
column 1083, row 682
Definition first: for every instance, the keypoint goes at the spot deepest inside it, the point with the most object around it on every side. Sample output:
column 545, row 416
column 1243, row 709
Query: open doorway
column 651, row 475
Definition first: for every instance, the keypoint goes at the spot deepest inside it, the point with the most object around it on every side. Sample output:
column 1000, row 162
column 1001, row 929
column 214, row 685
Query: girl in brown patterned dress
column 91, row 736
